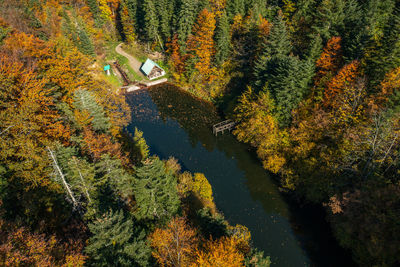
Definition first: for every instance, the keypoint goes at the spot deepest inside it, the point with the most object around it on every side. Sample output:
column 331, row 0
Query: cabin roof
column 148, row 66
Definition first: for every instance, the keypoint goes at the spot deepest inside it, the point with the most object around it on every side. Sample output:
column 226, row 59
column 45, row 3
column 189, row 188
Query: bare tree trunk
column 8, row 128
column 57, row 167
column 83, row 181
column 159, row 41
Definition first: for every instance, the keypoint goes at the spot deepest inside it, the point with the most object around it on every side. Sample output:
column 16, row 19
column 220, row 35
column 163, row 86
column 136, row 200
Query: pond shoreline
column 178, row 124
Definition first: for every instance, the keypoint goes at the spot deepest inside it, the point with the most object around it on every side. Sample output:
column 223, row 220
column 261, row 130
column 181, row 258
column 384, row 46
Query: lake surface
column 176, row 124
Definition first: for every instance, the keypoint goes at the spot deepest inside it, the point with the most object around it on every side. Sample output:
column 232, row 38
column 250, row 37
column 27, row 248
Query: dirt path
column 133, row 62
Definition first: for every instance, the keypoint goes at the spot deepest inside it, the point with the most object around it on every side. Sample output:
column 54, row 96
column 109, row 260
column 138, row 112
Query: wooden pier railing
column 222, row 126
column 127, row 81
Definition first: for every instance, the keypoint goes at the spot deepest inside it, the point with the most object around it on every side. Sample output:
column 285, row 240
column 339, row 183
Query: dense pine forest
column 313, row 85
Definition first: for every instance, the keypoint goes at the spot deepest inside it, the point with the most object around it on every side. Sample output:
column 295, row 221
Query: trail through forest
column 133, row 62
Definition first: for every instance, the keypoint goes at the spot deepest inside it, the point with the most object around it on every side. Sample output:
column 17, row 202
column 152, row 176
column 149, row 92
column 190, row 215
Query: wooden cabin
column 152, row 70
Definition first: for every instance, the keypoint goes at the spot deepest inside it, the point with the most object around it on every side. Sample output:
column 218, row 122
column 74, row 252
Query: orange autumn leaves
column 178, row 245
column 200, row 48
column 201, row 43
column 19, row 247
column 28, row 121
column 330, row 59
column 34, row 76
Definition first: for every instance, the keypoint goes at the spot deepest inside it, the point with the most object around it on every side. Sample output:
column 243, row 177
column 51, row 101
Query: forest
column 313, row 85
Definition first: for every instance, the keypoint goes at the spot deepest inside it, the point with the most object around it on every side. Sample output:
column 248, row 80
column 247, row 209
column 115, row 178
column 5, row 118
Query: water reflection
column 174, row 123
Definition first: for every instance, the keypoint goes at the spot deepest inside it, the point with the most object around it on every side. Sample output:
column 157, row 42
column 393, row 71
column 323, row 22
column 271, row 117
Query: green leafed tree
column 155, row 191
column 116, row 242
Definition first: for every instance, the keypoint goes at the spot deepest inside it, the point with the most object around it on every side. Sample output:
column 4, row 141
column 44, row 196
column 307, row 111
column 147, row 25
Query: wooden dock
column 222, row 126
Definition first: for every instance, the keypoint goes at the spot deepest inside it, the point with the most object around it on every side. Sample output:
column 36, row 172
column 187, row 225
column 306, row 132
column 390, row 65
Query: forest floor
column 133, row 62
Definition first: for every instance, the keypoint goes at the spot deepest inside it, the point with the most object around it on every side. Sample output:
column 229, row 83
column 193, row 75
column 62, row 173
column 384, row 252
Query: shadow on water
column 175, row 123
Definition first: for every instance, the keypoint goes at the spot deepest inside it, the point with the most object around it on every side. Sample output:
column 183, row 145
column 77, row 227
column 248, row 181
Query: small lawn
column 111, row 55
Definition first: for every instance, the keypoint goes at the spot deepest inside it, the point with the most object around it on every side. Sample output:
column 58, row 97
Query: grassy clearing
column 112, row 79
column 136, row 51
column 111, row 55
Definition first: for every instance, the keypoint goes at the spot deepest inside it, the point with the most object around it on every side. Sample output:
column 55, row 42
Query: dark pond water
column 176, row 124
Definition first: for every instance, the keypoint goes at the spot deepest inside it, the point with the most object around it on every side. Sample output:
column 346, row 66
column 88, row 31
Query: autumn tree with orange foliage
column 28, row 122
column 174, row 245
column 390, row 89
column 176, row 58
column 344, row 78
column 329, row 62
column 99, row 144
column 19, row 247
column 201, row 44
column 264, row 26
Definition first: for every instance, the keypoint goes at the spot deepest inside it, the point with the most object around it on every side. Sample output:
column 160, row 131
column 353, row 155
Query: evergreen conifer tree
column 383, row 55
column 256, row 8
column 222, row 39
column 315, row 48
column 165, row 11
column 339, row 18
column 330, row 17
column 150, row 20
column 185, row 20
column 276, row 46
column 110, row 171
column 378, row 14
column 95, row 10
column 115, row 242
column 85, row 100
column 234, row 7
column 288, row 81
column 85, row 43
column 77, row 177
column 155, row 192
column 142, row 149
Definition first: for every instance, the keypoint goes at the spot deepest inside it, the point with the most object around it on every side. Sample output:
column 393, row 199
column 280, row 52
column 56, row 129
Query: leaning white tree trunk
column 62, row 177
column 82, row 180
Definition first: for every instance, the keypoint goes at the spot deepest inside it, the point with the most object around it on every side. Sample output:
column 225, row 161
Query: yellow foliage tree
column 217, row 6
column 242, row 236
column 258, row 127
column 127, row 24
column 222, row 253
column 105, row 9
column 202, row 187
